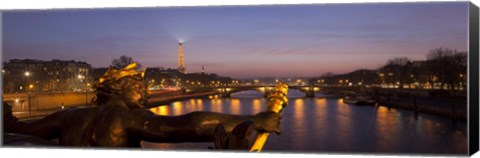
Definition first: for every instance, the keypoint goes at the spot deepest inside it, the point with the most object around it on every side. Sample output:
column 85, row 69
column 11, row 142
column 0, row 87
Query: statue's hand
column 267, row 122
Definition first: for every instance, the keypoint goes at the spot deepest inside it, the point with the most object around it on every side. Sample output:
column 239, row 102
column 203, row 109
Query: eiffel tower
column 181, row 64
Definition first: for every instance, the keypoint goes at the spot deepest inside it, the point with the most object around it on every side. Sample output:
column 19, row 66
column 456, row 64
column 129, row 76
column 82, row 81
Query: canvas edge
column 473, row 91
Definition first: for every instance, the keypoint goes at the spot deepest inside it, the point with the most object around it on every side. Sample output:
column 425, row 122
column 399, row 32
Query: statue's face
column 135, row 94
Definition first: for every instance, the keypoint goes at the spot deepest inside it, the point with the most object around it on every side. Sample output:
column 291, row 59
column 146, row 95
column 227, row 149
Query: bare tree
column 439, row 53
column 427, row 73
column 124, row 61
column 460, row 62
column 449, row 66
column 445, row 67
column 328, row 78
column 398, row 70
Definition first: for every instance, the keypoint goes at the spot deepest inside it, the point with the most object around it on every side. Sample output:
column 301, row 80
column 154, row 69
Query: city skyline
column 241, row 41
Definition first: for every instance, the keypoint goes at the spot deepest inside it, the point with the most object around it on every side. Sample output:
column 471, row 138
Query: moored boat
column 358, row 100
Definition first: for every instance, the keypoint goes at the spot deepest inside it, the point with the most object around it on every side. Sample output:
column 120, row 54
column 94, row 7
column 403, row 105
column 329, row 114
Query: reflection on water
column 298, row 108
column 299, row 124
column 344, row 124
column 384, row 127
column 216, row 105
column 329, row 125
column 190, row 105
column 199, row 103
column 320, row 108
column 161, row 110
column 177, row 108
column 256, row 105
column 235, row 106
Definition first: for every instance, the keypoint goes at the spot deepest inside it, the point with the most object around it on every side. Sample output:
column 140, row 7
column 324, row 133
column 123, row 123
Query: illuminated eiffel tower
column 181, row 64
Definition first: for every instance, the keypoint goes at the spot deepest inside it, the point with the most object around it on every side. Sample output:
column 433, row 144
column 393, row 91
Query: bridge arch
column 265, row 90
column 308, row 90
column 240, row 93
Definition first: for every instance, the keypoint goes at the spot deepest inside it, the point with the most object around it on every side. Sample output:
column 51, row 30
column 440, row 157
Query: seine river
column 327, row 125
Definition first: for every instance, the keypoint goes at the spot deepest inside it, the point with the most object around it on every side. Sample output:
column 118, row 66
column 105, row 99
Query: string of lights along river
column 329, row 125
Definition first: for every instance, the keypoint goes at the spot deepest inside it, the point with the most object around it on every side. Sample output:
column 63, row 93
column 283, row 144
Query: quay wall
column 24, row 101
column 52, row 101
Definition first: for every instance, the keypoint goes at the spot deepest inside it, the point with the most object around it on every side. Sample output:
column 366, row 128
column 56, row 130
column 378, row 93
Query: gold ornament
column 113, row 74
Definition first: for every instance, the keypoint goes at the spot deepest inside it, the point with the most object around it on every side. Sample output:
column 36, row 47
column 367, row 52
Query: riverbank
column 22, row 102
column 436, row 102
column 157, row 99
column 430, row 101
column 447, row 107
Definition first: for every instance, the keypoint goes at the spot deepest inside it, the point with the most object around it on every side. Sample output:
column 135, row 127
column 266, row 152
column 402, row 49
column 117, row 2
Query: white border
column 49, row 4
column 64, row 4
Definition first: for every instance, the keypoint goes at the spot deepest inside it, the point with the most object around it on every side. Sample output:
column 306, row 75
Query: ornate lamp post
column 27, row 75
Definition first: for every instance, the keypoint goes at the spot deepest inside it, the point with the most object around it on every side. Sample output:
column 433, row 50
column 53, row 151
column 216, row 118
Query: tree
column 425, row 73
column 328, row 78
column 398, row 70
column 124, row 61
column 460, row 62
column 449, row 66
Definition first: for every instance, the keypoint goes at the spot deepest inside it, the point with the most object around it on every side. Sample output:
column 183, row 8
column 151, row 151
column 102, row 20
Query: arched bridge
column 309, row 90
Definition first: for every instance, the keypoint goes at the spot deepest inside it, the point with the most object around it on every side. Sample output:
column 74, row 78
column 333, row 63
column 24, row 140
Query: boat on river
column 352, row 98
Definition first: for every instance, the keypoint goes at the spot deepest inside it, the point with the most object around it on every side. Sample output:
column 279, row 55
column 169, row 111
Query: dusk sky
column 241, row 41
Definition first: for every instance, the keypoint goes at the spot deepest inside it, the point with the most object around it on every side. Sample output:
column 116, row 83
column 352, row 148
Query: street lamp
column 27, row 75
column 86, row 93
column 80, row 78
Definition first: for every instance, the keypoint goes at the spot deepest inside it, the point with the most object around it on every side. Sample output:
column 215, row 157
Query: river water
column 327, row 125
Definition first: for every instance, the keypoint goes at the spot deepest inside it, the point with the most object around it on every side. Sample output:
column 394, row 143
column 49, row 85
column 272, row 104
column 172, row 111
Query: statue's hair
column 107, row 89
column 114, row 81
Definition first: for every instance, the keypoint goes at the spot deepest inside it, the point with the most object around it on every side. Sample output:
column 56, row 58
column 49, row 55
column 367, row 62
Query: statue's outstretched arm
column 199, row 126
column 47, row 128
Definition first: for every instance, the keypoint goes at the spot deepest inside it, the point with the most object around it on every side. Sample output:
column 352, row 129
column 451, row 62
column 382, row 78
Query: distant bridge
column 309, row 90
